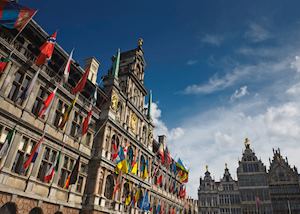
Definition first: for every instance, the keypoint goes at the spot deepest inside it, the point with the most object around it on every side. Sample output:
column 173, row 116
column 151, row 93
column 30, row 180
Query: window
column 109, row 187
column 65, row 170
column 3, row 133
column 20, row 82
column 38, row 103
column 61, row 108
column 24, row 150
column 88, row 138
column 82, row 176
column 76, row 123
column 49, row 157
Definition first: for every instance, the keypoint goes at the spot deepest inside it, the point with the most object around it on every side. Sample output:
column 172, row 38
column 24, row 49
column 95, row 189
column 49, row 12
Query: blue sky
column 220, row 70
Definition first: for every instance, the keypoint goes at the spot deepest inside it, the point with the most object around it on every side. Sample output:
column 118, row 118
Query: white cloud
column 217, row 83
column 239, row 93
column 296, row 64
column 257, row 33
column 214, row 40
column 160, row 126
column 192, row 62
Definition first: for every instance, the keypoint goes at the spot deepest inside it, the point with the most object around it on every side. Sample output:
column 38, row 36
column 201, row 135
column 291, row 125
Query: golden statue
column 247, row 142
column 206, row 167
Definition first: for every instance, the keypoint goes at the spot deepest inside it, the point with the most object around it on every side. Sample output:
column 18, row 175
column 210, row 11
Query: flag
column 54, row 168
column 145, row 172
column 145, row 205
column 158, row 209
column 161, row 153
column 46, row 50
column 66, row 114
column 47, row 103
column 137, row 195
column 86, row 122
column 134, row 166
column 168, row 157
column 118, row 183
column 122, row 163
column 182, row 192
column 94, row 99
column 68, row 67
column 155, row 171
column 159, row 180
column 6, row 144
column 13, row 15
column 3, row 63
column 257, row 201
column 80, row 85
column 72, row 178
column 25, row 93
column 115, row 151
column 34, row 153
column 128, row 199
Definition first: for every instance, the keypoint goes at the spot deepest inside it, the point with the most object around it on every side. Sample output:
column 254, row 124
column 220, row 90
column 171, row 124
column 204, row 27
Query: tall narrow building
column 208, row 195
column 253, row 183
column 284, row 185
column 229, row 196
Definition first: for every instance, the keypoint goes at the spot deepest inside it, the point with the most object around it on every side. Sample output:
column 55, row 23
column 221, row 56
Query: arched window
column 142, row 164
column 126, row 190
column 115, row 142
column 36, row 210
column 130, row 157
column 109, row 187
column 9, row 208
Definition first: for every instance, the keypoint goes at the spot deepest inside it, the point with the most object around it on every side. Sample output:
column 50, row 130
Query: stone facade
column 119, row 116
column 255, row 190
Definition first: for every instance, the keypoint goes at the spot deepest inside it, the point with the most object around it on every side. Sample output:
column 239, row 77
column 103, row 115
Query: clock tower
column 125, row 122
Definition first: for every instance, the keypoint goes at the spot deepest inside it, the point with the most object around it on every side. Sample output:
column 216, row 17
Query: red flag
column 3, row 63
column 47, row 103
column 80, row 85
column 34, row 154
column 46, row 50
column 86, row 122
column 159, row 180
column 168, row 156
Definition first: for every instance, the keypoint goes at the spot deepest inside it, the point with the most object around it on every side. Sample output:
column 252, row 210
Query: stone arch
column 130, row 154
column 126, row 190
column 36, row 210
column 109, row 186
column 9, row 208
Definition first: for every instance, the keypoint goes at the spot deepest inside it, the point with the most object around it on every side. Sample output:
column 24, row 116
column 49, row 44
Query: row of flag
column 177, row 167
column 138, row 198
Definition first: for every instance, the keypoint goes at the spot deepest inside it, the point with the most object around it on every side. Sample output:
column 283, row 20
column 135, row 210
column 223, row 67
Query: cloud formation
column 192, row 62
column 239, row 93
column 214, row 40
column 257, row 33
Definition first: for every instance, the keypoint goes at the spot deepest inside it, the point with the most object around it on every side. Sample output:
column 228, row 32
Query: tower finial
column 149, row 105
column 140, row 42
column 225, row 165
column 247, row 142
column 206, row 167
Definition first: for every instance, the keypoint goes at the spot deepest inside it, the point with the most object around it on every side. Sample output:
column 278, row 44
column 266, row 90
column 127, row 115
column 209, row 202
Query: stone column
column 11, row 154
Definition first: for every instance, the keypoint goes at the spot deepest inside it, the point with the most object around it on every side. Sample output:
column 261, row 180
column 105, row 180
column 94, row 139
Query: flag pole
column 31, row 168
column 20, row 31
column 4, row 160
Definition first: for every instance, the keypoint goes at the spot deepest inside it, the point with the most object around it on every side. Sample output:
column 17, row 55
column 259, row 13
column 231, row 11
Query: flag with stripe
column 14, row 15
column 47, row 104
column 72, row 178
column 7, row 142
column 80, row 85
column 68, row 67
column 3, row 63
column 34, row 153
column 54, row 168
column 86, row 123
column 46, row 50
column 66, row 114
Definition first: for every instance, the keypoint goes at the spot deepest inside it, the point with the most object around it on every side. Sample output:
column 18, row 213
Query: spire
column 149, row 105
column 226, row 166
column 116, row 64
